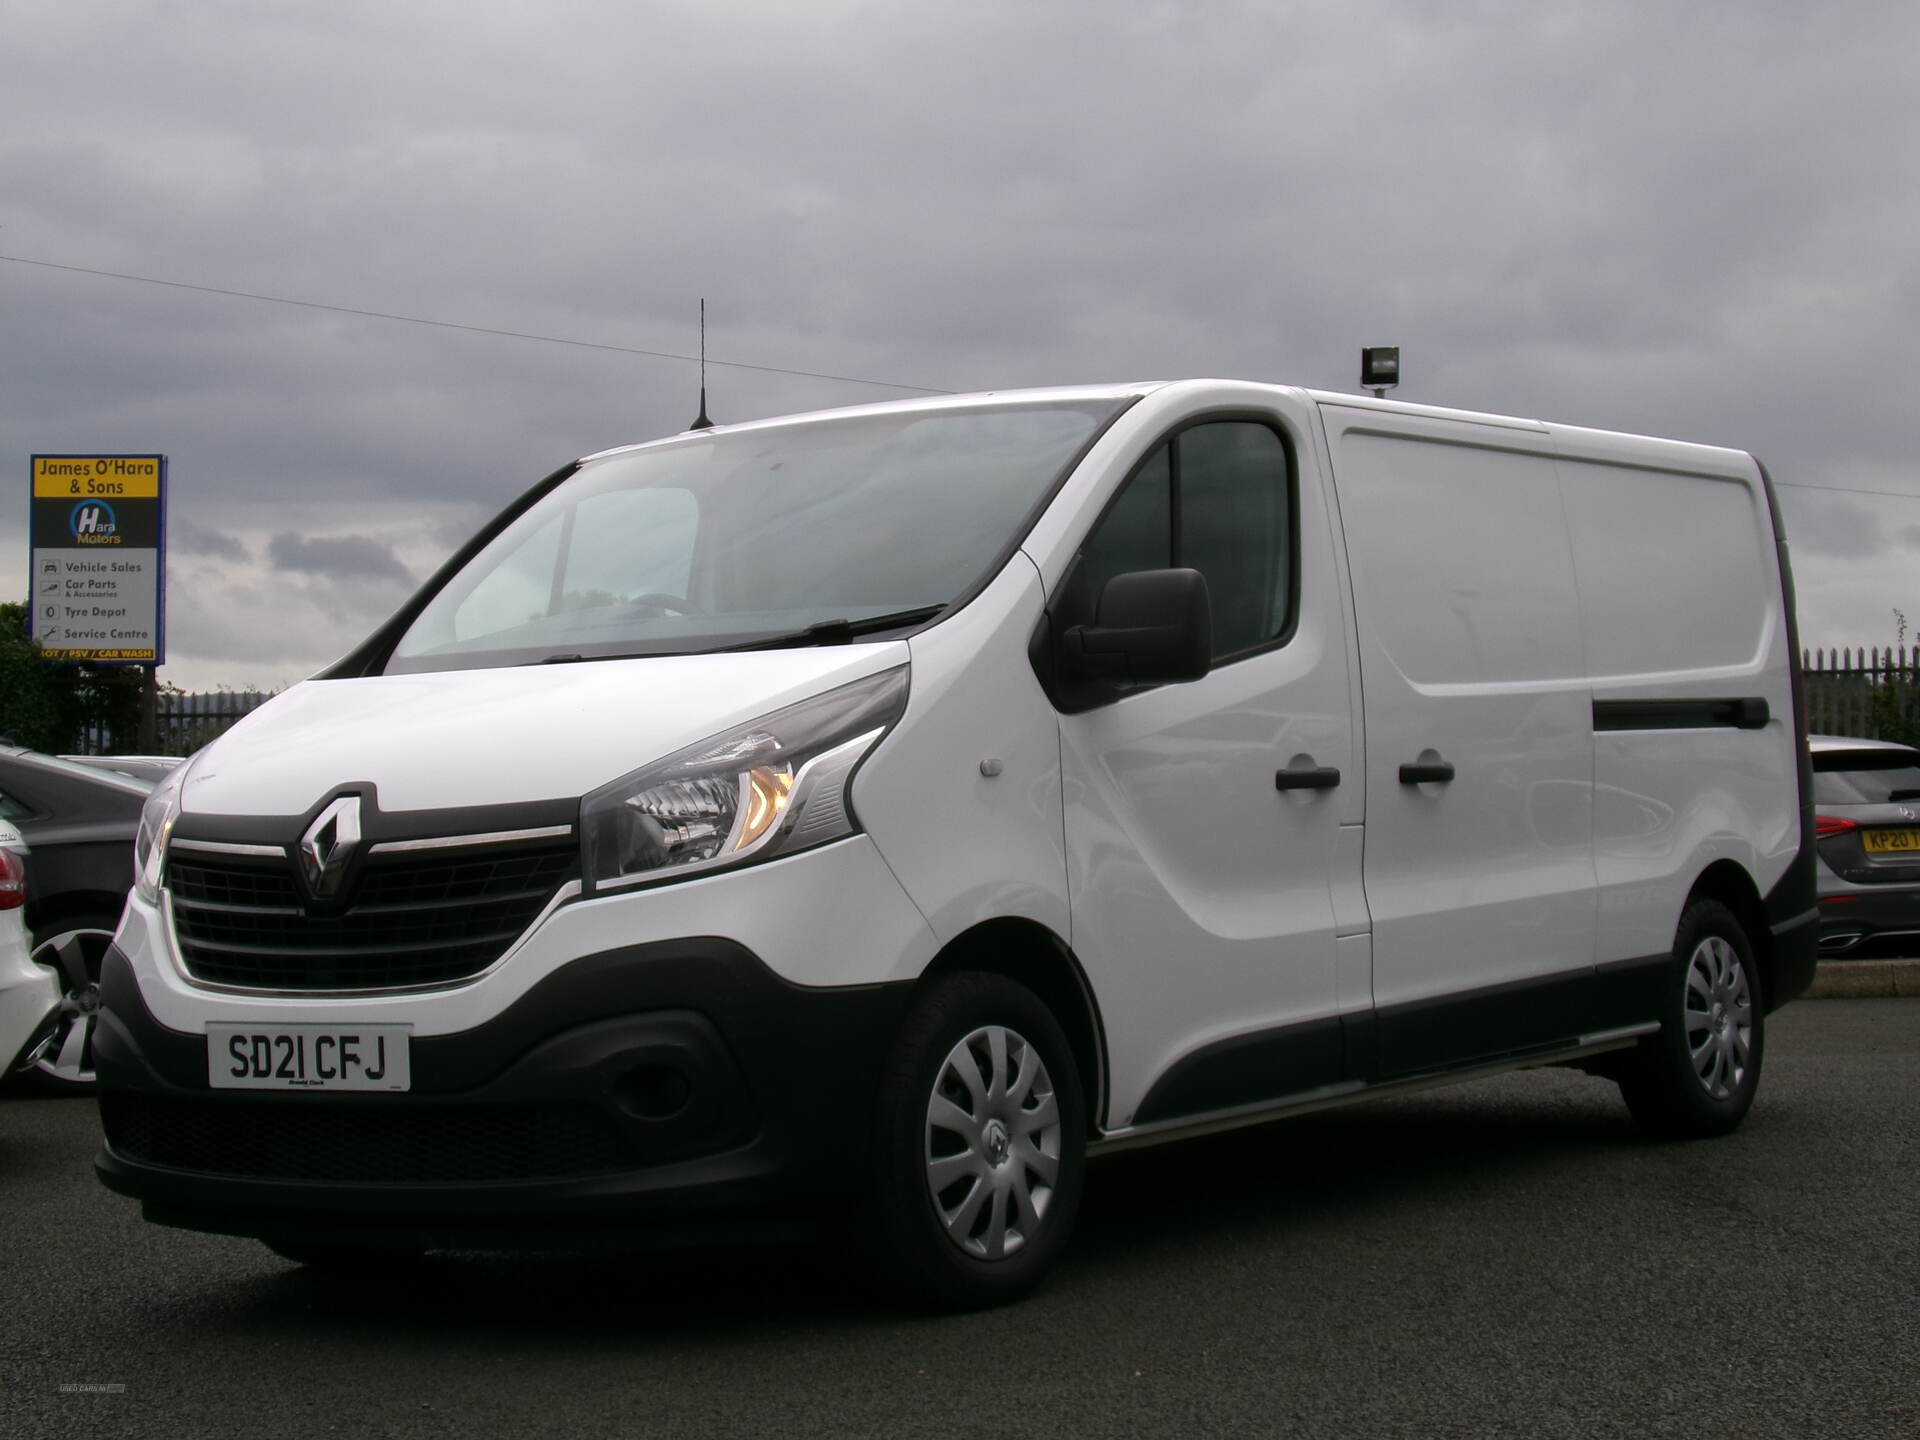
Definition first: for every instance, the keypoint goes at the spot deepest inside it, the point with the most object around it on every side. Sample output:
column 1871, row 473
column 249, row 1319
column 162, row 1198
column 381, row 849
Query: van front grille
column 411, row 918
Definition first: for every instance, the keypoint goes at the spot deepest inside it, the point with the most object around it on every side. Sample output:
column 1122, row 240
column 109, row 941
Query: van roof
column 1135, row 389
column 1064, row 394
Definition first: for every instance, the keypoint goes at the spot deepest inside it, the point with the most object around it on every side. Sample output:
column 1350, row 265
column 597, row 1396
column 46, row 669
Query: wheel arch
column 75, row 905
column 1028, row 953
column 1730, row 884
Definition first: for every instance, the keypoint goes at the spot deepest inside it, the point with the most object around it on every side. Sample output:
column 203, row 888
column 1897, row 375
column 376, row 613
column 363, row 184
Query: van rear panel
column 1591, row 632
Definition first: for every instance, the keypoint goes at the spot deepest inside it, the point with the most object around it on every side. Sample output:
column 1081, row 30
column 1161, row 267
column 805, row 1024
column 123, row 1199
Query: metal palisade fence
column 183, row 721
column 1873, row 692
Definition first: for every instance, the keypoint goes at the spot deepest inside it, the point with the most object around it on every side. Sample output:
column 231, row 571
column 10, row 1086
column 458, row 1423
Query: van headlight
column 156, row 824
column 770, row 787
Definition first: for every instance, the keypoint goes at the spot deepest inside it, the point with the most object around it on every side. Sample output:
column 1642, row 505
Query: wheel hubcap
column 1719, row 1017
column 992, row 1143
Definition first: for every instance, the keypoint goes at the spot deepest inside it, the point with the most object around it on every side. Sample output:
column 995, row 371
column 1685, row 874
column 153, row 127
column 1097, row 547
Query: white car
column 29, row 993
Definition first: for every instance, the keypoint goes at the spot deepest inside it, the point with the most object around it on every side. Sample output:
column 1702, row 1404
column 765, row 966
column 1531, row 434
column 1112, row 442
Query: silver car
column 1866, row 796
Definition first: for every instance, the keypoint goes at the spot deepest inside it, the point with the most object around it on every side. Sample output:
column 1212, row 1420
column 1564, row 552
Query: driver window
column 1217, row 498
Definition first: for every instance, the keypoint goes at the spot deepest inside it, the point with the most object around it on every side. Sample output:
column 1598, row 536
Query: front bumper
column 673, row 1081
column 29, row 1000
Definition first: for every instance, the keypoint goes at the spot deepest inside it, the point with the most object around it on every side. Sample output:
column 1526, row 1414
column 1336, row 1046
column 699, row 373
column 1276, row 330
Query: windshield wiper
column 574, row 657
column 837, row 632
column 821, row 632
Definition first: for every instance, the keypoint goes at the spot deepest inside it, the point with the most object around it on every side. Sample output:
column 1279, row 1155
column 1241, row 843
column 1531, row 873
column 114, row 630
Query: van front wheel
column 1697, row 1077
column 979, row 1145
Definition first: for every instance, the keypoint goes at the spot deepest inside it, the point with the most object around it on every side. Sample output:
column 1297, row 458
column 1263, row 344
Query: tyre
column 1697, row 1077
column 979, row 1146
column 62, row 1063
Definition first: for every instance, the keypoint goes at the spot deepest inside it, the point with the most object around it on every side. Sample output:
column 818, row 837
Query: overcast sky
column 1689, row 219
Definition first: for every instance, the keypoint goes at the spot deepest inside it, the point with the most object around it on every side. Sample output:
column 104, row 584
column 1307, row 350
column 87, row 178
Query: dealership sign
column 98, row 539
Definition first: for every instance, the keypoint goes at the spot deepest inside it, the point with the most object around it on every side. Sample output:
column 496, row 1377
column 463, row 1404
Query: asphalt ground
column 1507, row 1258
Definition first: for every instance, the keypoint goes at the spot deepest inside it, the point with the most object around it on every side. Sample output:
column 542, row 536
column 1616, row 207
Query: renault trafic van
column 871, row 814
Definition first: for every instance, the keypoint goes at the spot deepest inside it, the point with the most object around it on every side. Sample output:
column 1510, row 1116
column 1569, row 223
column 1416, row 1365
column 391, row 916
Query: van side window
column 1236, row 528
column 1219, row 499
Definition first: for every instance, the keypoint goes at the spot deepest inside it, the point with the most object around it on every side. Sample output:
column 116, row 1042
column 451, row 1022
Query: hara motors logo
column 92, row 523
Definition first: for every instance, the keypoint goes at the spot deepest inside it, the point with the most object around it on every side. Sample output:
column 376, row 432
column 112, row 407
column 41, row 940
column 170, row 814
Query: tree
column 30, row 709
column 49, row 705
column 1893, row 706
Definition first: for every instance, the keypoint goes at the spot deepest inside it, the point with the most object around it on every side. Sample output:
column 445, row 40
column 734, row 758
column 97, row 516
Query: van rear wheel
column 1697, row 1077
column 979, row 1146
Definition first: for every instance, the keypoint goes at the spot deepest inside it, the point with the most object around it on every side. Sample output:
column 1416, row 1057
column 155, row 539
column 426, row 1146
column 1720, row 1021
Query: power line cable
column 635, row 350
column 1847, row 490
column 470, row 329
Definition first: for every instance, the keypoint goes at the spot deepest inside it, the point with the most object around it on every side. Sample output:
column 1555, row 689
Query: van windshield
column 797, row 533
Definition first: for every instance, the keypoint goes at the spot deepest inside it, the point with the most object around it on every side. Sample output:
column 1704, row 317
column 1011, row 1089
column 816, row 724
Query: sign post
column 98, row 545
column 98, row 538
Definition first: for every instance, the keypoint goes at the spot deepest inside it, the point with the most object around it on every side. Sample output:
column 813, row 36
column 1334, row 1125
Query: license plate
column 1884, row 842
column 307, row 1057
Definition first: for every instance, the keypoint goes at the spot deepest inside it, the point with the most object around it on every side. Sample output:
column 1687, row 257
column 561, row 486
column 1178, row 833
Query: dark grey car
column 79, row 823
column 1866, row 795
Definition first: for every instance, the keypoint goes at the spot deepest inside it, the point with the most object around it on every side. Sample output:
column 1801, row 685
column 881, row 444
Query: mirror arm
column 1104, row 652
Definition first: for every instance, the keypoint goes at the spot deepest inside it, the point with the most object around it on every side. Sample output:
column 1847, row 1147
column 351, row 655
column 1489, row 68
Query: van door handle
column 1307, row 777
column 1427, row 772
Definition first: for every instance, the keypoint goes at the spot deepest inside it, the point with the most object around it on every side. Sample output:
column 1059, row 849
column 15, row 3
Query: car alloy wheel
column 64, row 1059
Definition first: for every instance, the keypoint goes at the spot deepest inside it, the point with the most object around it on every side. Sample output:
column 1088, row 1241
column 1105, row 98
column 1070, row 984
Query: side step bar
column 1352, row 1092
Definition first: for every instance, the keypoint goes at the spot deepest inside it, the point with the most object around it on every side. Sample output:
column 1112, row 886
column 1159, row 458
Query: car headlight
column 156, row 824
column 770, row 787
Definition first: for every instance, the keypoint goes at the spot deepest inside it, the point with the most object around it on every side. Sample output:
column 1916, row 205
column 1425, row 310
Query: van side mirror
column 1152, row 627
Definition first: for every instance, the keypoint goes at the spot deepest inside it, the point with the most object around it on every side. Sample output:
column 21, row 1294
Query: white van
column 873, row 813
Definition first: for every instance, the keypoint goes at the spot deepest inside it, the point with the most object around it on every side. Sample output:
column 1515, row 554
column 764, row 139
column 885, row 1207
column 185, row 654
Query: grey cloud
column 1835, row 526
column 338, row 557
column 217, row 627
column 1642, row 216
column 192, row 539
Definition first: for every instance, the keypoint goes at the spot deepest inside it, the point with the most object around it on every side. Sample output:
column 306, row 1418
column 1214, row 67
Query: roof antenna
column 701, row 422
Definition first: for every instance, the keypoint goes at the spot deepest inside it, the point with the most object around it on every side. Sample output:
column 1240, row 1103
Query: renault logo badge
column 329, row 844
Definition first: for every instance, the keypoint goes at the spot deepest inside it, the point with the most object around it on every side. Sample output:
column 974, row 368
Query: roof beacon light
column 1380, row 369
